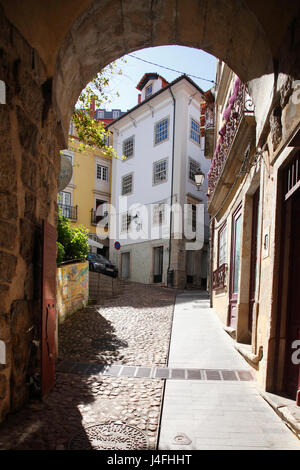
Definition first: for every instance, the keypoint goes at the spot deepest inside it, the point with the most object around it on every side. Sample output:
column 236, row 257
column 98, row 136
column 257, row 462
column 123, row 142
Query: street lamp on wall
column 199, row 178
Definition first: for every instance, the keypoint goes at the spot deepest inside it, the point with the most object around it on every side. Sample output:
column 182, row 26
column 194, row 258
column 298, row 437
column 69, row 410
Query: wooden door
column 292, row 370
column 235, row 266
column 48, row 340
column 253, row 262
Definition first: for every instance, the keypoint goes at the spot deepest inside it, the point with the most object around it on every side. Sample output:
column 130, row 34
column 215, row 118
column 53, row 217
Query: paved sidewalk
column 214, row 414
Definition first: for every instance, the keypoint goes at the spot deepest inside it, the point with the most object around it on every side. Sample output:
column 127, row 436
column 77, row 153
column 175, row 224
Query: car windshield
column 97, row 257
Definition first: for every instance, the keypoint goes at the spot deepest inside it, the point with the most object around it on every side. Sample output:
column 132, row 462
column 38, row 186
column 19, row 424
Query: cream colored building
column 255, row 264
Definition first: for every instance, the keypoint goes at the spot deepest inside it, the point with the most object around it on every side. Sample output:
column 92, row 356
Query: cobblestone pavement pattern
column 135, row 330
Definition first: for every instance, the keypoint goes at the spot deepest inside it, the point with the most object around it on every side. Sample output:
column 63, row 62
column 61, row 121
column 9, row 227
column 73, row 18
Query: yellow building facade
column 85, row 200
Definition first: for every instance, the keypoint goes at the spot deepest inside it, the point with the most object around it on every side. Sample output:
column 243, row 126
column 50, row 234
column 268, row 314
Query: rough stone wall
column 29, row 165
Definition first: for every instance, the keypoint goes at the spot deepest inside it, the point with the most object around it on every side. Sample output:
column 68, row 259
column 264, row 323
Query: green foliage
column 90, row 132
column 60, row 253
column 72, row 242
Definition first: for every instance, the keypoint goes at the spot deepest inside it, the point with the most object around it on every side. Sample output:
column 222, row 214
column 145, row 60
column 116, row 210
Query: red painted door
column 292, row 369
column 235, row 266
column 48, row 307
column 253, row 261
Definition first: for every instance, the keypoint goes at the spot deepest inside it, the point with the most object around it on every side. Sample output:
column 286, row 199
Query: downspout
column 169, row 277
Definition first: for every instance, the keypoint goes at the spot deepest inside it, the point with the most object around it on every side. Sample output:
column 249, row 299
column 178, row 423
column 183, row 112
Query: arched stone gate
column 48, row 53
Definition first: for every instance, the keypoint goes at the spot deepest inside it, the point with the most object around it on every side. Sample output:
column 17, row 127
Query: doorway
column 292, row 369
column 125, row 265
column 253, row 260
column 158, row 263
column 235, row 266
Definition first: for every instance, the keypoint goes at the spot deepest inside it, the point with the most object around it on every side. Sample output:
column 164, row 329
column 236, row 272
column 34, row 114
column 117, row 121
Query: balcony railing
column 240, row 105
column 96, row 218
column 219, row 277
column 68, row 211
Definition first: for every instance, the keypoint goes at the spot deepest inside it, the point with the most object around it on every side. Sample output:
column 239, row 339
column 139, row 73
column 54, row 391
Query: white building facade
column 154, row 185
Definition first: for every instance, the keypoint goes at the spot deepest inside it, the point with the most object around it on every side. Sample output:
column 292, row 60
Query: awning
column 96, row 244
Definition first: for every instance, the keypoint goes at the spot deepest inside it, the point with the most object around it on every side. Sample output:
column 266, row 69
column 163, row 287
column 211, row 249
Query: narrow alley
column 124, row 382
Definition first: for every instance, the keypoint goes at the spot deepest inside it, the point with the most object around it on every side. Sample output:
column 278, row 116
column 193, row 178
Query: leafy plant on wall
column 72, row 242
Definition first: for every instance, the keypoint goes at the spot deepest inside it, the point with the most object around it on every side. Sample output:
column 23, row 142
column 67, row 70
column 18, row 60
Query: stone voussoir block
column 8, row 265
column 8, row 206
column 8, row 235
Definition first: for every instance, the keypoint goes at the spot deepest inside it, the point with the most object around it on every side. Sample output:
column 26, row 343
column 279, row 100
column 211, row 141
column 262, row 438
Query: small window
column 222, row 245
column 195, row 131
column 127, row 183
column 194, row 217
column 160, row 172
column 148, row 91
column 116, row 114
column 102, row 172
column 100, row 114
column 128, row 147
column 71, row 128
column 159, row 214
column 161, row 131
column 125, row 222
column 194, row 168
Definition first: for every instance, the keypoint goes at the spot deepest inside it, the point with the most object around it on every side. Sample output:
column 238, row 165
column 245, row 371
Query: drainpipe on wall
column 170, row 273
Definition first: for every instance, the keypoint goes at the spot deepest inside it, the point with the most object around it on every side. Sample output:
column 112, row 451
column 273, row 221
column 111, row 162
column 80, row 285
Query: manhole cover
column 108, row 344
column 109, row 436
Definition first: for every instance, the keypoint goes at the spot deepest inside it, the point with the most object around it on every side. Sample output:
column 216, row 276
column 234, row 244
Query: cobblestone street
column 133, row 329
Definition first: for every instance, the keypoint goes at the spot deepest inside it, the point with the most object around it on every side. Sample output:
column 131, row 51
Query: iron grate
column 117, row 370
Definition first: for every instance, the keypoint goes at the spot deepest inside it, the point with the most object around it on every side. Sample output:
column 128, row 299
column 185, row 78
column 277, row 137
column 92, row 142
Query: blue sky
column 184, row 59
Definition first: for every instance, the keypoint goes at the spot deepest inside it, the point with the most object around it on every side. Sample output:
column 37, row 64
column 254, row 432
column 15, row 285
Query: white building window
column 148, row 91
column 71, row 128
column 128, row 147
column 194, row 168
column 195, row 131
column 115, row 114
column 222, row 245
column 160, row 171
column 127, row 184
column 125, row 222
column 159, row 214
column 161, row 131
column 100, row 114
column 102, row 172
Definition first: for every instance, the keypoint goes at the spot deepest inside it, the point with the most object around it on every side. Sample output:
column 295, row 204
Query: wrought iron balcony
column 96, row 218
column 219, row 277
column 70, row 212
column 240, row 110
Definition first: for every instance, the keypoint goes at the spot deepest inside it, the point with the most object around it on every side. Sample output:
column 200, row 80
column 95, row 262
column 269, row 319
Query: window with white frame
column 160, row 171
column 159, row 213
column 222, row 245
column 161, row 131
column 100, row 114
column 128, row 147
column 148, row 91
column 194, row 168
column 127, row 184
column 102, row 172
column 71, row 128
column 125, row 222
column 195, row 131
column 115, row 114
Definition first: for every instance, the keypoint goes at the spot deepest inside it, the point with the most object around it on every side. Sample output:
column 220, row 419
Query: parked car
column 100, row 264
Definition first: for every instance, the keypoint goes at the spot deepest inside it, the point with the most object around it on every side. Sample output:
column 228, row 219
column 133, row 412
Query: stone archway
column 228, row 30
column 48, row 53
